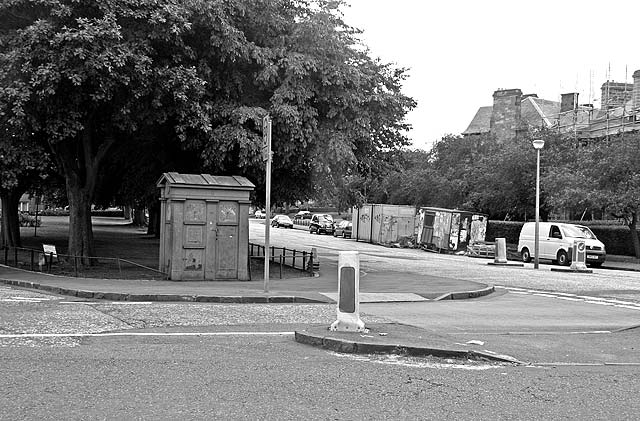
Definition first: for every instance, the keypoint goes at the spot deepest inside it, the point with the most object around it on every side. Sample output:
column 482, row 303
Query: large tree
column 473, row 173
column 99, row 73
column 335, row 110
column 95, row 73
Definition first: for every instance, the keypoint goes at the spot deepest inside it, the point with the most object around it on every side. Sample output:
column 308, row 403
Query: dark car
column 281, row 221
column 321, row 224
column 343, row 229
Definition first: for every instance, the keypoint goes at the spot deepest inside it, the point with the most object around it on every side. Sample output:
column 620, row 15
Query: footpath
column 374, row 287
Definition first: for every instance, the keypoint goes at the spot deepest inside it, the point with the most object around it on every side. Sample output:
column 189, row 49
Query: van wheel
column 563, row 258
column 526, row 256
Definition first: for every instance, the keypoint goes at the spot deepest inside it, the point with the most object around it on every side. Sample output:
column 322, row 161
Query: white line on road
column 535, row 332
column 573, row 297
column 87, row 335
column 94, row 303
column 25, row 300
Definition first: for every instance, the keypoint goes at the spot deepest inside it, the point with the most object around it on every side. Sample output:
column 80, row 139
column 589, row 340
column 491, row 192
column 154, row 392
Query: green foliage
column 617, row 239
column 471, row 173
column 27, row 220
column 599, row 174
column 509, row 230
column 335, row 110
column 92, row 80
column 88, row 75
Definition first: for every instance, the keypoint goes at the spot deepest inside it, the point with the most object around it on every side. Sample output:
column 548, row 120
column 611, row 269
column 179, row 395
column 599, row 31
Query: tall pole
column 536, row 261
column 537, row 144
column 266, row 156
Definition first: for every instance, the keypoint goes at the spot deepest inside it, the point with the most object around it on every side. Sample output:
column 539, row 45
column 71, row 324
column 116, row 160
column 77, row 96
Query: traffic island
column 397, row 339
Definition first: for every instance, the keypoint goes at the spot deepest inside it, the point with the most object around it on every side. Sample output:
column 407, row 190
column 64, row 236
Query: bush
column 54, row 212
column 27, row 220
column 65, row 212
column 616, row 238
column 504, row 229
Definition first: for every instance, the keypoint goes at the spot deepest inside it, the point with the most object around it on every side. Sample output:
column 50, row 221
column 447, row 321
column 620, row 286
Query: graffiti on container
column 478, row 228
column 387, row 228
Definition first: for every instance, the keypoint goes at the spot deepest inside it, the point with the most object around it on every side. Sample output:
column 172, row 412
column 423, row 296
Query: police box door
column 227, row 241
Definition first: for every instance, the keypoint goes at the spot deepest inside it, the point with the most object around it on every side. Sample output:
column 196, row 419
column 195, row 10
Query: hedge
column 60, row 212
column 616, row 238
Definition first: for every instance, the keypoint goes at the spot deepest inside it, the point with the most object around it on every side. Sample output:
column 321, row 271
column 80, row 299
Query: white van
column 556, row 242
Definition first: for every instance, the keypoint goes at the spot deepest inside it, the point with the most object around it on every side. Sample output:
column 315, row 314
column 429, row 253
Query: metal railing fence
column 295, row 259
column 77, row 266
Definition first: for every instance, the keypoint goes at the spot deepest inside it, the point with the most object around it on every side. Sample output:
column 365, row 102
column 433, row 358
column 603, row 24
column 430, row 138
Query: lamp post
column 537, row 145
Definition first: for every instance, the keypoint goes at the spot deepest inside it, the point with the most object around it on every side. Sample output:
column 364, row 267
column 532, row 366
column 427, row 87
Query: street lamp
column 537, row 145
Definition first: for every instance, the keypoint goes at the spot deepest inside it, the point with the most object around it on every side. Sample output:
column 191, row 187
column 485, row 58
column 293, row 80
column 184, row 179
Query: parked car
column 343, row 229
column 281, row 221
column 321, row 224
column 260, row 214
column 556, row 243
column 303, row 215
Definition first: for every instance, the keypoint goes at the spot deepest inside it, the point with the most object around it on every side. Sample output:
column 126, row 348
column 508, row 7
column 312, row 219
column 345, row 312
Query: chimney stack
column 568, row 102
column 636, row 89
column 506, row 116
column 615, row 94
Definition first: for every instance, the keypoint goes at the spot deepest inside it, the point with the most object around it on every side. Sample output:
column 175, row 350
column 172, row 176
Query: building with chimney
column 513, row 113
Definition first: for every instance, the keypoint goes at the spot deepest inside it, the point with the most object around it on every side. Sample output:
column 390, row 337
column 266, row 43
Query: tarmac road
column 534, row 328
column 225, row 361
column 624, row 285
column 63, row 357
column 537, row 316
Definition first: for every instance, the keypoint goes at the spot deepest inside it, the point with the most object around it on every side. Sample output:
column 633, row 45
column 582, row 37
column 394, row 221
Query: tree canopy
column 89, row 77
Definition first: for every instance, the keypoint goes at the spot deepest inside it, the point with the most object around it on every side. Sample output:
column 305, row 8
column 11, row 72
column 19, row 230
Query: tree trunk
column 154, row 220
column 80, row 160
column 139, row 219
column 80, row 228
column 633, row 226
column 10, row 219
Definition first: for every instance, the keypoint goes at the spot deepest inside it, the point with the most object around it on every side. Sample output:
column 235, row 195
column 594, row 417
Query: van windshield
column 577, row 231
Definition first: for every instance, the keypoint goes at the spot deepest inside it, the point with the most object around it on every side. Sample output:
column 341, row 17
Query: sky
column 460, row 51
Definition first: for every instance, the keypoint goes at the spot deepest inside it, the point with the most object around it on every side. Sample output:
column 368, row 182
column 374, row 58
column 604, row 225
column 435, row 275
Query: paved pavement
column 376, row 287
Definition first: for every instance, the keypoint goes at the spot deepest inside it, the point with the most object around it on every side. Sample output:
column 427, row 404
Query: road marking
column 26, row 299
column 584, row 364
column 612, row 302
column 535, row 332
column 94, row 303
column 87, row 335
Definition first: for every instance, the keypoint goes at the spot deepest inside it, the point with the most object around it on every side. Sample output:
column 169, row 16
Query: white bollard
column 501, row 251
column 579, row 256
column 348, row 309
